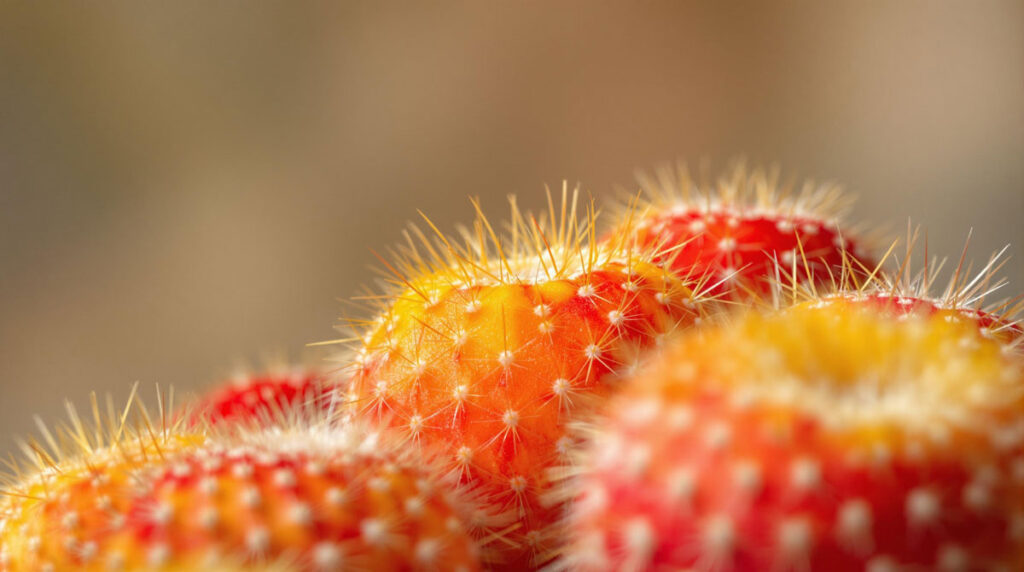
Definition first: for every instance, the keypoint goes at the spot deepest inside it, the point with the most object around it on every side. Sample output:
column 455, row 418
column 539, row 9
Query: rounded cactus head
column 902, row 291
column 77, row 479
column 488, row 347
column 824, row 437
column 314, row 496
column 265, row 396
column 732, row 235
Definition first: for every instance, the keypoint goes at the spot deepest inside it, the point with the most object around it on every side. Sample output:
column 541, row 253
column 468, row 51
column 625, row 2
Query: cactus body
column 829, row 437
column 493, row 354
column 264, row 397
column 906, row 293
column 733, row 237
column 992, row 324
column 315, row 497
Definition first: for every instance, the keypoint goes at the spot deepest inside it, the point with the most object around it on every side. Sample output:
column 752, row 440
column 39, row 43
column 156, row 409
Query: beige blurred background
column 188, row 186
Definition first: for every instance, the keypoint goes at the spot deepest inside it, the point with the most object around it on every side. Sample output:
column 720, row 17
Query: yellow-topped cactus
column 829, row 436
column 489, row 347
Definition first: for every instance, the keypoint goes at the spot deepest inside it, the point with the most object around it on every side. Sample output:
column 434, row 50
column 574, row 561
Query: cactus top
column 307, row 496
column 732, row 236
column 830, row 436
column 490, row 349
column 968, row 295
column 267, row 397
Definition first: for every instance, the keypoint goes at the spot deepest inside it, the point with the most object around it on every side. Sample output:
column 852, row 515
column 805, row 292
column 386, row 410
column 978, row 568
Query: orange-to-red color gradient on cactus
column 834, row 436
column 307, row 496
column 491, row 352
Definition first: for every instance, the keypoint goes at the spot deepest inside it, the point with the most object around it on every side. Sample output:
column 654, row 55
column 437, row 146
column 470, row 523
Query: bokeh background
column 189, row 186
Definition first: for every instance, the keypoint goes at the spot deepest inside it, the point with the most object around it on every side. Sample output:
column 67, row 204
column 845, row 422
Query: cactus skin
column 77, row 481
column 732, row 238
column 965, row 296
column 991, row 323
column 904, row 292
column 265, row 396
column 332, row 511
column 69, row 519
column 490, row 356
column 319, row 497
column 828, row 437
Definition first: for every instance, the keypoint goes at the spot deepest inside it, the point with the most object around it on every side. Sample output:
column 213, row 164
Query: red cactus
column 832, row 437
column 252, row 397
column 733, row 237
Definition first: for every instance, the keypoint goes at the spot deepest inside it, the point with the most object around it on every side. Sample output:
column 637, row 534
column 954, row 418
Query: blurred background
column 189, row 186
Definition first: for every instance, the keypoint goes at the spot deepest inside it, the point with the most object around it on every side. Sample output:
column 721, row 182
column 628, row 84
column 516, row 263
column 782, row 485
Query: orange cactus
column 733, row 237
column 490, row 350
column 314, row 496
column 77, row 481
column 833, row 437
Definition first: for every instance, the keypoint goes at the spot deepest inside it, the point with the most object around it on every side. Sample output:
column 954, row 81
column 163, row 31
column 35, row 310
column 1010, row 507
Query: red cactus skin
column 734, row 237
column 490, row 356
column 329, row 511
column 827, row 437
column 258, row 397
column 310, row 497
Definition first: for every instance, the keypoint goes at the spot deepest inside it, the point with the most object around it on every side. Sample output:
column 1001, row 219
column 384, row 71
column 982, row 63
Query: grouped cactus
column 721, row 378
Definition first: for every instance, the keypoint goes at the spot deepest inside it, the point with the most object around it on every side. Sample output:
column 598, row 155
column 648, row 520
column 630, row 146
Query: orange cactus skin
column 258, row 397
column 67, row 516
column 833, row 436
column 494, row 373
column 308, row 497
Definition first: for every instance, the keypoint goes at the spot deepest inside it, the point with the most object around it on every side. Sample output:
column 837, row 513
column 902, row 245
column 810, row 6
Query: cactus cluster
column 722, row 376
